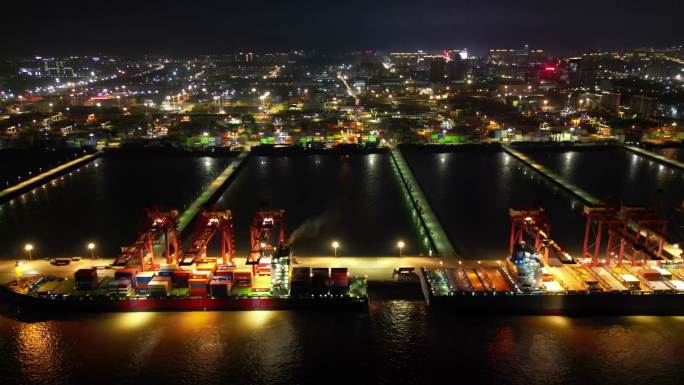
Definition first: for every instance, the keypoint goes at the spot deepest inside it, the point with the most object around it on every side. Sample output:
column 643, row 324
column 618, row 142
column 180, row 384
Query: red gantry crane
column 157, row 224
column 532, row 223
column 633, row 232
column 264, row 225
column 208, row 224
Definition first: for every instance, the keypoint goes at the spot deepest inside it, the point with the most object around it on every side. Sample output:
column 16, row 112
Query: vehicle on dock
column 60, row 261
column 404, row 270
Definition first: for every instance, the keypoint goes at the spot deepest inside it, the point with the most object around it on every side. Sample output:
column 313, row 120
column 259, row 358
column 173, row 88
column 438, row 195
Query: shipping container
column 85, row 279
column 225, row 271
column 207, row 266
column 219, row 287
column 261, row 284
column 242, row 278
column 300, row 281
column 320, row 280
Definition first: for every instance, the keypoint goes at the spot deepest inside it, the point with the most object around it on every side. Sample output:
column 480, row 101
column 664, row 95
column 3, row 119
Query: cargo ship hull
column 566, row 304
column 185, row 304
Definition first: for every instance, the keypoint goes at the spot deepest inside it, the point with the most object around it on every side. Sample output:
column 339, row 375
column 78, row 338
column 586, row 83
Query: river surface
column 19, row 165
column 472, row 190
column 103, row 202
column 396, row 342
column 617, row 174
column 355, row 200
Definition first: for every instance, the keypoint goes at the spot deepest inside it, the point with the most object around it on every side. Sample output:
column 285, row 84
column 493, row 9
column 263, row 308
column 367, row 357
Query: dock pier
column 432, row 228
column 587, row 198
column 209, row 194
column 658, row 158
column 46, row 176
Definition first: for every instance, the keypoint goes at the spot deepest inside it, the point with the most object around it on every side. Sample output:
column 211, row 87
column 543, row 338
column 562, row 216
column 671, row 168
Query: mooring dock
column 658, row 158
column 553, row 177
column 46, row 176
column 431, row 226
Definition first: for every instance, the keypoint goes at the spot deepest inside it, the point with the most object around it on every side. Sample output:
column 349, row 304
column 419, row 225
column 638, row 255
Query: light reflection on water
column 396, row 342
column 39, row 351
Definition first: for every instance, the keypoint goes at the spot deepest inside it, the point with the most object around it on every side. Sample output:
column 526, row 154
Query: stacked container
column 261, row 284
column 167, row 270
column 220, row 287
column 142, row 281
column 181, row 279
column 120, row 287
column 198, row 286
column 85, row 279
column 300, row 283
column 225, row 271
column 264, row 267
column 159, row 286
column 242, row 278
column 339, row 281
column 207, row 266
column 127, row 273
column 320, row 281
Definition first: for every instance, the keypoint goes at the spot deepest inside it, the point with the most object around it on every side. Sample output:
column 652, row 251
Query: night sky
column 198, row 26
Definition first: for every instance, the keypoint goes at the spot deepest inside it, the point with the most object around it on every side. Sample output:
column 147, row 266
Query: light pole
column 29, row 248
column 335, row 245
column 400, row 245
column 91, row 247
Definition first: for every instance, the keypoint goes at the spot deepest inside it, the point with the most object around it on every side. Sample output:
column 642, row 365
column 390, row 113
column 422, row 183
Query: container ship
column 634, row 272
column 192, row 281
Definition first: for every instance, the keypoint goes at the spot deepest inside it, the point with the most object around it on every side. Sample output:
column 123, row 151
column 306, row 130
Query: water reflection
column 397, row 342
column 568, row 161
column 133, row 321
column 39, row 351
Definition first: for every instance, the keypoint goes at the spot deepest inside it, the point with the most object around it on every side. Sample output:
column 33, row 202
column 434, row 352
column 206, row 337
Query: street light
column 335, row 245
column 28, row 248
column 91, row 247
column 400, row 245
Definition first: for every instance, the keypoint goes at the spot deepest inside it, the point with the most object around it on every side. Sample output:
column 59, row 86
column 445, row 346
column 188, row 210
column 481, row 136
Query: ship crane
column 265, row 224
column 631, row 232
column 208, row 224
column 157, row 224
column 532, row 223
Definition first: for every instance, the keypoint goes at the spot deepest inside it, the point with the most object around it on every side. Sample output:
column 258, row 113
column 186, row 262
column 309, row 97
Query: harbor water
column 101, row 202
column 357, row 201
